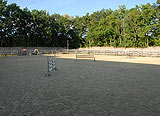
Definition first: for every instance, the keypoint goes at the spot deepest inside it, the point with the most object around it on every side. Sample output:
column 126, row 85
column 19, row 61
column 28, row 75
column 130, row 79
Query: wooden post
column 55, row 61
column 94, row 57
column 76, row 57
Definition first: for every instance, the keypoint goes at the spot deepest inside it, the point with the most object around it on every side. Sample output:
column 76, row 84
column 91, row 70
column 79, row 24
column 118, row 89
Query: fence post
column 55, row 61
column 94, row 56
column 76, row 57
column 48, row 73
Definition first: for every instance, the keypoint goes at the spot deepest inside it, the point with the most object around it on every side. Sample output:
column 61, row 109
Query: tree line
column 135, row 27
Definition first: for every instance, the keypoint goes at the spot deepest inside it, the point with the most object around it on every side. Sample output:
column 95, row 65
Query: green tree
column 2, row 20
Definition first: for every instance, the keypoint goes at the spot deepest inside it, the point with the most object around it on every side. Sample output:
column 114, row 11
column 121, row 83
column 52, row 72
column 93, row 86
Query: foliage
column 136, row 27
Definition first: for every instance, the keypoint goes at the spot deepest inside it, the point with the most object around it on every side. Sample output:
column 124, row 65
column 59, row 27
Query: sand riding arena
column 110, row 86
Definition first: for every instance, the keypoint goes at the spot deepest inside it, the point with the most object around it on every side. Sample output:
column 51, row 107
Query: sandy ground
column 129, row 59
column 110, row 86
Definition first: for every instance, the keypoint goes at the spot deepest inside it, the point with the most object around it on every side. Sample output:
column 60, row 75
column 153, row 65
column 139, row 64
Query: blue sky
column 77, row 7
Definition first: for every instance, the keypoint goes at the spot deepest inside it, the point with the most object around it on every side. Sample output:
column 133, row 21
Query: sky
column 77, row 7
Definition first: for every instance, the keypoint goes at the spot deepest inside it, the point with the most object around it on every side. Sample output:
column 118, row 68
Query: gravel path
column 83, row 88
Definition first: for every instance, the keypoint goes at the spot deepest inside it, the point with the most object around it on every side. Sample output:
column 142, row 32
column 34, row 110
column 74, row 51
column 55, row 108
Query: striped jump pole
column 51, row 64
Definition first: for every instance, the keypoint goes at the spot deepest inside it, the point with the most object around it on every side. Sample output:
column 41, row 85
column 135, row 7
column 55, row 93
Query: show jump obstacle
column 51, row 62
column 87, row 56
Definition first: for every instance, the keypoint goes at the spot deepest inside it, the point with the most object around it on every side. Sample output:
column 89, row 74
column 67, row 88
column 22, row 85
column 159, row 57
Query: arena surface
column 84, row 88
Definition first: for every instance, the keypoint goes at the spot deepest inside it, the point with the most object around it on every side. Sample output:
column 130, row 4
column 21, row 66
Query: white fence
column 151, row 52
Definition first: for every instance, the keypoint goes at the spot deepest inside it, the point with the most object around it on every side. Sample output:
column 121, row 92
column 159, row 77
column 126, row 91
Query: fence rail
column 84, row 56
column 118, row 52
column 123, row 52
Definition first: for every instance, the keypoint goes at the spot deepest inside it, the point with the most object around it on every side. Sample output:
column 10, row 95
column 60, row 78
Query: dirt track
column 83, row 88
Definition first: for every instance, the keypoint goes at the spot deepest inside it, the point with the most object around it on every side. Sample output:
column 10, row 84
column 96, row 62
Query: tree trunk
column 28, row 41
column 125, row 42
column 89, row 43
column 120, row 41
column 147, row 41
column 120, row 37
column 114, row 41
column 136, row 40
column 2, row 43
